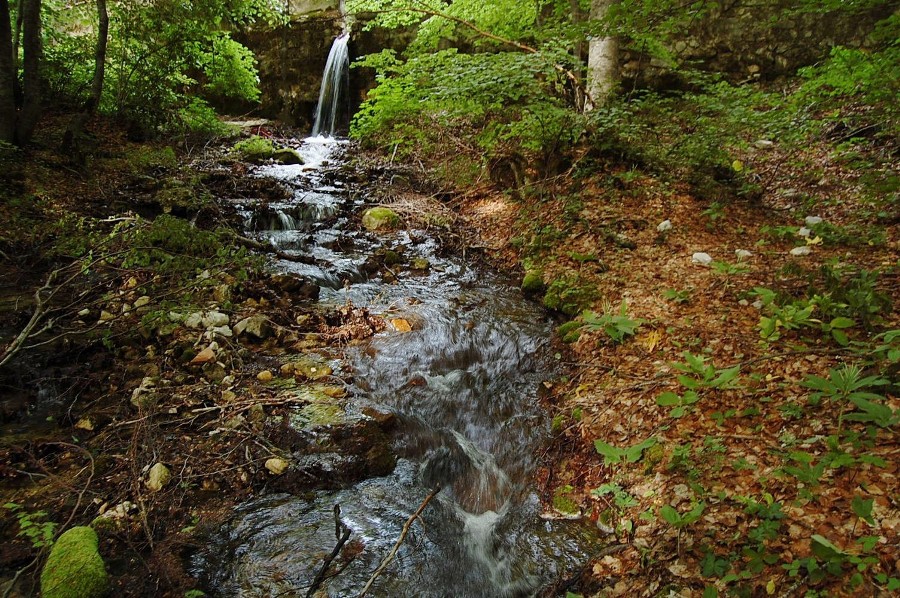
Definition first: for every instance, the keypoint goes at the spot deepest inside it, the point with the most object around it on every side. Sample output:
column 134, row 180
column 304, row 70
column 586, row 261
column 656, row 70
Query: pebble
column 704, row 259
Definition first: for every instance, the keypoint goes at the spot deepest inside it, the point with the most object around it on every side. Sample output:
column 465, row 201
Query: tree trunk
column 100, row 54
column 72, row 136
column 31, row 71
column 603, row 58
column 7, row 77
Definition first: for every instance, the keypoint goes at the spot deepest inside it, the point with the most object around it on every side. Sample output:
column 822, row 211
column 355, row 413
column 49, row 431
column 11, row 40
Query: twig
column 406, row 526
column 342, row 539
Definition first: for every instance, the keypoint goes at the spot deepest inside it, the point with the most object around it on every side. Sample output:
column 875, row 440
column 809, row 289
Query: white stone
column 141, row 301
column 664, row 226
column 704, row 259
column 763, row 144
column 802, row 250
column 220, row 331
column 195, row 320
column 214, row 319
column 158, row 477
column 812, row 220
column 742, row 254
column 804, row 232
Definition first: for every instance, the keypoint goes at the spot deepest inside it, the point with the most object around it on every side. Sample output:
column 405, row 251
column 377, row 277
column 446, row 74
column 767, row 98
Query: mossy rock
column 74, row 568
column 254, row 149
column 375, row 219
column 287, row 155
column 533, row 283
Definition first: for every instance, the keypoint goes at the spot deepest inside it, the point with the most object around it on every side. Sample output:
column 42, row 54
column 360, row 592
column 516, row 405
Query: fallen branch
column 406, row 526
column 259, row 246
column 342, row 539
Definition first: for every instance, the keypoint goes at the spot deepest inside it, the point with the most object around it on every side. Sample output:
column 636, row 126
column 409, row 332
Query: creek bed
column 462, row 383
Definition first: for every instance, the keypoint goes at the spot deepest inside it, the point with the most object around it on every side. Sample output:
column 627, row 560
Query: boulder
column 375, row 219
column 287, row 155
column 74, row 568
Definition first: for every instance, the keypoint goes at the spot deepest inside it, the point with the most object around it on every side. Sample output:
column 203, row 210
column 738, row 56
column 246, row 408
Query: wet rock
column 296, row 286
column 256, row 325
column 74, row 568
column 392, row 258
column 287, row 155
column 312, row 369
column 276, row 465
column 420, row 263
column 376, row 219
column 158, row 477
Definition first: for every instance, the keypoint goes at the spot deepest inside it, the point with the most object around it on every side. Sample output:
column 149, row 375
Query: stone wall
column 743, row 40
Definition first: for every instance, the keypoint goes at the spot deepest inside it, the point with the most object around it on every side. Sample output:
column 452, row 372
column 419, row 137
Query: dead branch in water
column 406, row 526
column 339, row 526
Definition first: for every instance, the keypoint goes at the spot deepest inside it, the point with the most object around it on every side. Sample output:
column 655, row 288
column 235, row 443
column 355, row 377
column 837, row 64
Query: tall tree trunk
column 100, row 54
column 72, row 136
column 7, row 77
column 603, row 58
column 31, row 71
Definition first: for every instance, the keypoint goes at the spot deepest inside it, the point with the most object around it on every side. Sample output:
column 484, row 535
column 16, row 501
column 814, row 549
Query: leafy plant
column 680, row 403
column 698, row 374
column 39, row 533
column 621, row 497
column 679, row 520
column 613, row 455
column 677, row 296
column 616, row 325
column 847, row 386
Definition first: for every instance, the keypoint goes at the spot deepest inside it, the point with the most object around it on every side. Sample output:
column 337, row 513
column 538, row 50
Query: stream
column 463, row 385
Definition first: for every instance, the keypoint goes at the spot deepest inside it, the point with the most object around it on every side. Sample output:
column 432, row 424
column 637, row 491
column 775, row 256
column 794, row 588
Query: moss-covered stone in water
column 287, row 155
column 380, row 219
column 533, row 283
column 74, row 568
column 254, row 149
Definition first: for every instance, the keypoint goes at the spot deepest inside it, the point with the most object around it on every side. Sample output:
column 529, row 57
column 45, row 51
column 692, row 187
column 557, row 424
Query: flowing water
column 464, row 387
column 334, row 94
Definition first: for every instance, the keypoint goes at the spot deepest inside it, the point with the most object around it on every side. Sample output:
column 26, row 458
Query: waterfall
column 335, row 92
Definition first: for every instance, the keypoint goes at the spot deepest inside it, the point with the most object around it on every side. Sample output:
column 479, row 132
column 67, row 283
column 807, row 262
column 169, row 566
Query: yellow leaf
column 401, row 325
column 651, row 340
column 737, row 165
column 814, row 241
column 770, row 587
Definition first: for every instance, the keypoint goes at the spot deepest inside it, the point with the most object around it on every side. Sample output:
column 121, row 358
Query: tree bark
column 603, row 59
column 7, row 77
column 32, row 46
column 76, row 126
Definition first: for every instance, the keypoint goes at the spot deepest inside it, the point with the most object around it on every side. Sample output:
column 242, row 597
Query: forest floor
column 711, row 420
column 729, row 421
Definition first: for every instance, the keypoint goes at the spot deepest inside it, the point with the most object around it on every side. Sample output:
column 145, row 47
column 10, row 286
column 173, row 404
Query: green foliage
column 39, row 533
column 613, row 455
column 679, row 520
column 698, row 374
column 677, row 296
column 621, row 497
column 161, row 56
column 847, row 386
column 680, row 404
column 615, row 325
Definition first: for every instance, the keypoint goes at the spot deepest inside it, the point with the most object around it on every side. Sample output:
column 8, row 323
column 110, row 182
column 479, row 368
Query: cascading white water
column 334, row 95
